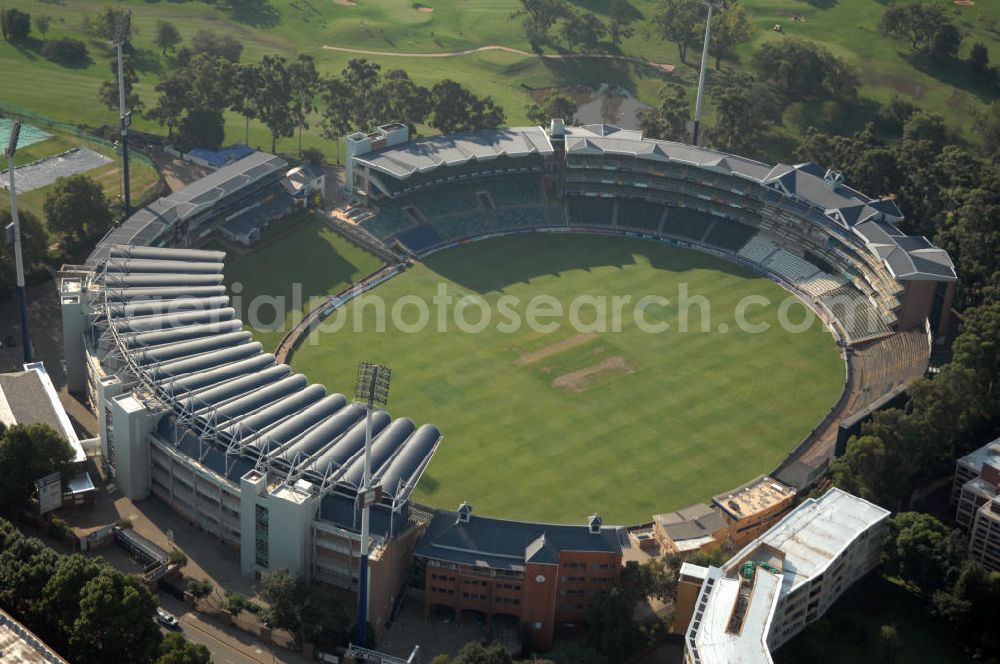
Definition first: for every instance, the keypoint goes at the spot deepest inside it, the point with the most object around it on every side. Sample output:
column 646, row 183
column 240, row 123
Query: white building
column 976, row 497
column 784, row 580
column 192, row 411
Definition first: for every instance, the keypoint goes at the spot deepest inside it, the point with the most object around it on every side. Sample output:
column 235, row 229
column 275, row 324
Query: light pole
column 372, row 389
column 701, row 74
column 124, row 118
column 22, row 300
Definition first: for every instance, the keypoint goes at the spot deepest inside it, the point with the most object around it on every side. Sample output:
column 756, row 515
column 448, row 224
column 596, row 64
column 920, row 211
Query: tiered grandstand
column 833, row 246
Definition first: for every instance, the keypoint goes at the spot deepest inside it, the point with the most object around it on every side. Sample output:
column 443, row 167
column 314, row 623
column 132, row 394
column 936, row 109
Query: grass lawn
column 556, row 425
column 848, row 27
column 851, row 631
column 315, row 258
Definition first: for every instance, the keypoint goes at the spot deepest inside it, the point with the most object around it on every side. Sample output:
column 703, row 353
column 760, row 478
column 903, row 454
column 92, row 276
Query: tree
column 457, row 109
column 731, row 26
column 212, row 79
column 223, row 46
column 167, row 36
column 28, row 453
column 917, row 23
column 175, row 93
column 304, row 81
column 175, row 649
column 200, row 589
column 892, row 116
column 582, row 30
column 655, row 578
column 668, row 121
column 741, row 119
column 803, row 69
column 575, row 653
column 201, row 128
column 476, row 653
column 622, row 16
column 540, row 16
column 76, row 207
column 34, row 246
column 313, row 157
column 613, row 630
column 15, row 24
column 246, row 83
column 43, row 23
column 275, row 97
column 283, row 593
column 336, row 120
column 406, row 101
column 554, row 104
column 988, row 126
column 979, row 61
column 364, row 92
column 107, row 23
column 108, row 92
column 61, row 594
column 922, row 550
column 66, row 51
column 236, row 604
column 676, row 21
column 115, row 623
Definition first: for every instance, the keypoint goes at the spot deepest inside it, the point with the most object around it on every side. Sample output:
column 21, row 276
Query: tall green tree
column 406, row 101
column 76, row 207
column 305, row 82
column 918, row 23
column 622, row 16
column 28, row 453
column 116, row 621
column 731, row 27
column 108, row 92
column 175, row 95
column 668, row 120
column 246, row 82
column 582, row 30
column 554, row 104
column 167, row 36
column 15, row 25
column 275, row 98
column 676, row 21
column 457, row 109
column 175, row 649
column 741, row 119
column 539, row 17
column 34, row 245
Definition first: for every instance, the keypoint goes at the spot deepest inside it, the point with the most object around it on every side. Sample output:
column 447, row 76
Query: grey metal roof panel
column 132, row 294
column 399, row 477
column 156, row 322
column 166, row 266
column 286, row 431
column 426, row 154
column 181, row 385
column 256, row 399
column 180, row 333
column 153, row 279
column 203, row 361
column 324, row 433
column 287, row 407
column 169, row 254
column 335, row 456
column 383, row 448
column 175, row 351
column 212, row 397
column 171, row 306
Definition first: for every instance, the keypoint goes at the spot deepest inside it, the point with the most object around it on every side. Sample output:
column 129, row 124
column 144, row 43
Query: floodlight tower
column 22, row 300
column 122, row 30
column 372, row 389
column 701, row 75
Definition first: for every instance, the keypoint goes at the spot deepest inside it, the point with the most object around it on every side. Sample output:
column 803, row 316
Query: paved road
column 507, row 49
column 227, row 644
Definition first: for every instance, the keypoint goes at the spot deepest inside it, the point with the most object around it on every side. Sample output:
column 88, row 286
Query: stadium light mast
column 122, row 30
column 701, row 74
column 22, row 300
column 372, row 389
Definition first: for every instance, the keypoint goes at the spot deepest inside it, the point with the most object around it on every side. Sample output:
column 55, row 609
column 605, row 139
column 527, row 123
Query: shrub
column 66, row 51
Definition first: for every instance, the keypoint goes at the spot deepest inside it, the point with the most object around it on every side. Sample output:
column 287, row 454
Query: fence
column 85, row 133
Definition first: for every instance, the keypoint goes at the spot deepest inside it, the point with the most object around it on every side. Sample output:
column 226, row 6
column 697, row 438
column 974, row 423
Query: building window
column 261, row 535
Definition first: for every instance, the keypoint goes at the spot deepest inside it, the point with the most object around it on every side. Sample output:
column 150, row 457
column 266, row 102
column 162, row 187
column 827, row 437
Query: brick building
column 752, row 508
column 976, row 498
column 538, row 575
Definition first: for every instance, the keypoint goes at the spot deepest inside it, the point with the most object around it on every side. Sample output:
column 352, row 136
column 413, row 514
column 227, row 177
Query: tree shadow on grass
column 822, row 4
column 146, row 61
column 259, row 13
column 841, row 117
column 595, row 71
column 955, row 73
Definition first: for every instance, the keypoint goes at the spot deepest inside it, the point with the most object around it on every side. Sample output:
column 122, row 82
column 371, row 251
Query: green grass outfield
column 555, row 426
column 312, row 255
column 847, row 27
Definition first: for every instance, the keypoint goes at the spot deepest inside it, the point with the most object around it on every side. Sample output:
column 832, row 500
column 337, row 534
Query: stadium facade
column 193, row 411
column 800, row 224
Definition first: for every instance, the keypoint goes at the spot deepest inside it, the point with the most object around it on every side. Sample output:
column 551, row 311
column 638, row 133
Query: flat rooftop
column 753, row 497
column 814, row 534
column 736, row 621
column 20, row 645
column 988, row 454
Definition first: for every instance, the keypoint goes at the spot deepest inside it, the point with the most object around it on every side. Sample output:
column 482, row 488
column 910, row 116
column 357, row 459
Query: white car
column 166, row 618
